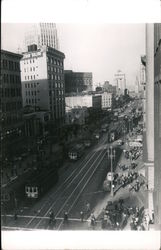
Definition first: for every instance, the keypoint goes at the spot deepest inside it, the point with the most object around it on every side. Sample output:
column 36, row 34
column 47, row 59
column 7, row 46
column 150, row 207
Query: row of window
column 57, row 92
column 28, row 93
column 57, row 85
column 10, row 65
column 31, row 85
column 32, row 100
column 29, row 61
column 11, row 106
column 54, row 61
column 29, row 69
column 7, row 78
column 56, row 70
column 55, row 77
column 10, row 92
column 30, row 77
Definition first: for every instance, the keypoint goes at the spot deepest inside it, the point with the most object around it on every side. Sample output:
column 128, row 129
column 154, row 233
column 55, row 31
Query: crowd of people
column 133, row 154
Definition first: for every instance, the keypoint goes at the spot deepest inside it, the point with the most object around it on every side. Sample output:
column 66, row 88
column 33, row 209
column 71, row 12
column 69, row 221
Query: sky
column 102, row 49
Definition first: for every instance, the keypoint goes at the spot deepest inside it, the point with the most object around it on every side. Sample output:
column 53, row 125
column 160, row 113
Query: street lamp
column 111, row 154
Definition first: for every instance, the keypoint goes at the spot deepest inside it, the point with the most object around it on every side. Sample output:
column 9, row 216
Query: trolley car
column 41, row 182
column 76, row 152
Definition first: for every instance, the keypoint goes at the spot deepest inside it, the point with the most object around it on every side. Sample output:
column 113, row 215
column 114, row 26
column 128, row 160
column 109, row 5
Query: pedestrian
column 65, row 217
column 93, row 220
column 88, row 207
column 81, row 216
column 51, row 217
column 15, row 216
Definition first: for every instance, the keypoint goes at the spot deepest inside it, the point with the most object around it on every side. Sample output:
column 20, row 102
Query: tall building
column 120, row 80
column 109, row 88
column 42, row 34
column 157, row 124
column 76, row 82
column 149, row 126
column 42, row 73
column 153, row 121
column 10, row 103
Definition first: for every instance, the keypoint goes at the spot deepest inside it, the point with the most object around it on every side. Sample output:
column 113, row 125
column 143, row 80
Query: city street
column 79, row 183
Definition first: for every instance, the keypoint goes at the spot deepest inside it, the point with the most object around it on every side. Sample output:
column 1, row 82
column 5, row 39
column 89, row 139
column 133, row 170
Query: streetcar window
column 27, row 189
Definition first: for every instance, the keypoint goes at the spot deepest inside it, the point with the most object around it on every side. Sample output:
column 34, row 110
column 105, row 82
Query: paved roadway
column 80, row 182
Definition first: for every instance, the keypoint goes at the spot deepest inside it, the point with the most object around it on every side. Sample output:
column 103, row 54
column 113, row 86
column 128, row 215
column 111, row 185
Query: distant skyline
column 98, row 48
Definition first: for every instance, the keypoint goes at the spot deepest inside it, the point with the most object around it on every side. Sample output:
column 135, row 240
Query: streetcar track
column 59, row 188
column 85, row 161
column 62, row 185
column 89, row 178
column 71, row 193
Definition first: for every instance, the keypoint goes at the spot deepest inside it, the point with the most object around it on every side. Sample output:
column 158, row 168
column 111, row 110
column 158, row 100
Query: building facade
column 106, row 100
column 88, row 101
column 109, row 88
column 42, row 34
column 120, row 80
column 76, row 82
column 157, row 124
column 42, row 74
column 10, row 102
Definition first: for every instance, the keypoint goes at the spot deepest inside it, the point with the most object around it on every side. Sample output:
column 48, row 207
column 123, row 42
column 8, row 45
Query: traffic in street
column 79, row 189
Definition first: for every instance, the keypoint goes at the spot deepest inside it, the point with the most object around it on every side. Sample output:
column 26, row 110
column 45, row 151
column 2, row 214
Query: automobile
column 119, row 142
column 87, row 143
column 97, row 135
column 110, row 176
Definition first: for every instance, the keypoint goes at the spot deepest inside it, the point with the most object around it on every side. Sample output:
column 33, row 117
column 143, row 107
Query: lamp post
column 111, row 154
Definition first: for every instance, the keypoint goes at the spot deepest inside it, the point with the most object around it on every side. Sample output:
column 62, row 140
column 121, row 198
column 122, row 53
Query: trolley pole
column 111, row 155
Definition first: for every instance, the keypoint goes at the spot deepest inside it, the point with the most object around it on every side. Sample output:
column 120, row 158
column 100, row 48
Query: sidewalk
column 139, row 198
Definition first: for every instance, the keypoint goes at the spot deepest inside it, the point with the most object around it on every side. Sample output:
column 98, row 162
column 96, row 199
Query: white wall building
column 42, row 77
column 88, row 101
column 120, row 81
column 106, row 100
column 42, row 34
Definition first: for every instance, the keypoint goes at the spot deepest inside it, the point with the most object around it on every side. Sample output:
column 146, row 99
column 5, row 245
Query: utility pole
column 111, row 154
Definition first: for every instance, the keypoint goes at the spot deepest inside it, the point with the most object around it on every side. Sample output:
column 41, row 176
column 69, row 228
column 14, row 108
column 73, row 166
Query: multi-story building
column 157, row 124
column 42, row 73
column 106, row 100
column 88, row 101
column 109, row 88
column 120, row 80
column 42, row 34
column 152, row 147
column 76, row 82
column 10, row 102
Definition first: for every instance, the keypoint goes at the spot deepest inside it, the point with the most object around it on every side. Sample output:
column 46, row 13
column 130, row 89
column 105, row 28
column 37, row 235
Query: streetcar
column 41, row 182
column 115, row 132
column 76, row 152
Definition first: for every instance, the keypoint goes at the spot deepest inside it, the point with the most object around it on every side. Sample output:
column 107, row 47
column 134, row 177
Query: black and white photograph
column 80, row 130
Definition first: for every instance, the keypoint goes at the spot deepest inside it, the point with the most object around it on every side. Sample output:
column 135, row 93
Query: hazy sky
column 98, row 48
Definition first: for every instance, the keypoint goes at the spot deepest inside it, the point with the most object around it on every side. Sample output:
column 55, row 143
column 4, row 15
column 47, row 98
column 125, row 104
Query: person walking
column 66, row 218
column 81, row 216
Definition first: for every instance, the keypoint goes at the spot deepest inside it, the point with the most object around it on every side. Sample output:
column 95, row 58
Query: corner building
column 42, row 72
column 10, row 103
